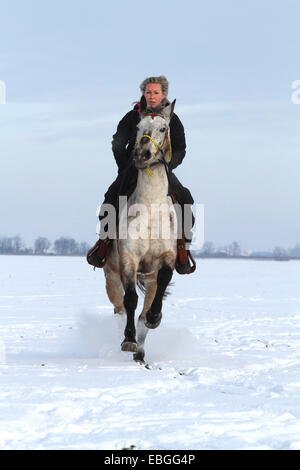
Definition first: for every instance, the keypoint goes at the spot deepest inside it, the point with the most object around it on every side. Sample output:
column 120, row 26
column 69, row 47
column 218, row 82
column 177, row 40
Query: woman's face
column 154, row 94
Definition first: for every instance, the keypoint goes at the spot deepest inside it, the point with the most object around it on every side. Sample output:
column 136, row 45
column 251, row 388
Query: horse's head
column 153, row 137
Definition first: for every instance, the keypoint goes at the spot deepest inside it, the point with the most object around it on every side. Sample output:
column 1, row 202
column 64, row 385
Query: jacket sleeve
column 178, row 143
column 120, row 141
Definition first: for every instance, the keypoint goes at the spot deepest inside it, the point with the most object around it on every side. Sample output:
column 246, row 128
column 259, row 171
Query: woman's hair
column 162, row 80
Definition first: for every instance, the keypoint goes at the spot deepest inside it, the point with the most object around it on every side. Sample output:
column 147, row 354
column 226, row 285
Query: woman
column 155, row 91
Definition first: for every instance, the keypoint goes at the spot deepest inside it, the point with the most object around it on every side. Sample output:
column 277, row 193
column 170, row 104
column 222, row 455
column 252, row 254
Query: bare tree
column 295, row 251
column 235, row 248
column 66, row 246
column 208, row 248
column 5, row 245
column 17, row 244
column 41, row 244
column 279, row 252
column 83, row 248
column 11, row 245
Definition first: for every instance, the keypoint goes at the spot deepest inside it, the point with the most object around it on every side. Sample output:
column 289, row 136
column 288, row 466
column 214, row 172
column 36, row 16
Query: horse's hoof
column 139, row 357
column 129, row 346
column 153, row 320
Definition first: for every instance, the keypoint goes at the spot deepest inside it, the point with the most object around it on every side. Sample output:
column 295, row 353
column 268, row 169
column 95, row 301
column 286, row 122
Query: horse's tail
column 142, row 288
column 167, row 292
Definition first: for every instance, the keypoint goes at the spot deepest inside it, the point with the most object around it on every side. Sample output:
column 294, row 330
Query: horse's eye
column 162, row 129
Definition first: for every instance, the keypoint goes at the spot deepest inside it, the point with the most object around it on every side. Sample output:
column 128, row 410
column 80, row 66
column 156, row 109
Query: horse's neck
column 153, row 186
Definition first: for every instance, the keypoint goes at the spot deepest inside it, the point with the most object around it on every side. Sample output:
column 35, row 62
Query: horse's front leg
column 128, row 273
column 154, row 315
column 130, row 304
column 141, row 327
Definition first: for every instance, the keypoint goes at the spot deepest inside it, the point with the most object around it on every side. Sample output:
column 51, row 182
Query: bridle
column 159, row 147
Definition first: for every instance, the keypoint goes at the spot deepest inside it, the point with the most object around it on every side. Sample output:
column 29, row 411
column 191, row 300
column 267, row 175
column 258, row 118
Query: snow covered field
column 224, row 365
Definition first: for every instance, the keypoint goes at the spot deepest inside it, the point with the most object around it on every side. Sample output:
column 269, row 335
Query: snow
column 223, row 367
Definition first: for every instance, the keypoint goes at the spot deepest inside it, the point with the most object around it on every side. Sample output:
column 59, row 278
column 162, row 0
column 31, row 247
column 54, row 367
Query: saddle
column 98, row 254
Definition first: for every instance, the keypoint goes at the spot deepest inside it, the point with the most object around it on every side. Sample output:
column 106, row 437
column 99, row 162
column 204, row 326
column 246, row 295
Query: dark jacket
column 125, row 137
column 123, row 143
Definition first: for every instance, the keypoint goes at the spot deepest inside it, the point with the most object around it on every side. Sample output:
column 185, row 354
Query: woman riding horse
column 154, row 90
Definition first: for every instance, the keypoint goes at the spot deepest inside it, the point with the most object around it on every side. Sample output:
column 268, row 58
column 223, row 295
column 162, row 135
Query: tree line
column 69, row 246
column 43, row 246
column 234, row 250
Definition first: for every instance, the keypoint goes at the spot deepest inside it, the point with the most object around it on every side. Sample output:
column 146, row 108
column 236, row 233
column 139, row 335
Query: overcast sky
column 72, row 70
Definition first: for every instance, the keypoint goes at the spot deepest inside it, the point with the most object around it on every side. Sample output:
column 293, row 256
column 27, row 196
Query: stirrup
column 185, row 263
column 98, row 254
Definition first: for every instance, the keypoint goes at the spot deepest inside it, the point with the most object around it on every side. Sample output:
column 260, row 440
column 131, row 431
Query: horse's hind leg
column 142, row 330
column 154, row 315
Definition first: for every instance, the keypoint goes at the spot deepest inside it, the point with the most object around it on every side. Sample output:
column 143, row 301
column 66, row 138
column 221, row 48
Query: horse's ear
column 143, row 104
column 169, row 110
column 172, row 108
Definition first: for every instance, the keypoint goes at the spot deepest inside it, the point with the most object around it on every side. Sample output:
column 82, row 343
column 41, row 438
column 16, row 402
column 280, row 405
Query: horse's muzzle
column 145, row 155
column 142, row 159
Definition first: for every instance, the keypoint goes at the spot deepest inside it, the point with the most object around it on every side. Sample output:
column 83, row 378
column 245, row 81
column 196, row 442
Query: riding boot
column 97, row 255
column 185, row 263
column 182, row 199
column 123, row 185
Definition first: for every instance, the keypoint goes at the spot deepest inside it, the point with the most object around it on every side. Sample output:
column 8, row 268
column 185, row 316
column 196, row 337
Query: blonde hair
column 161, row 79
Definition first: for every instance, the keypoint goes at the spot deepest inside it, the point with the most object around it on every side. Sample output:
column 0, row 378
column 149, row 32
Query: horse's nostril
column 146, row 155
